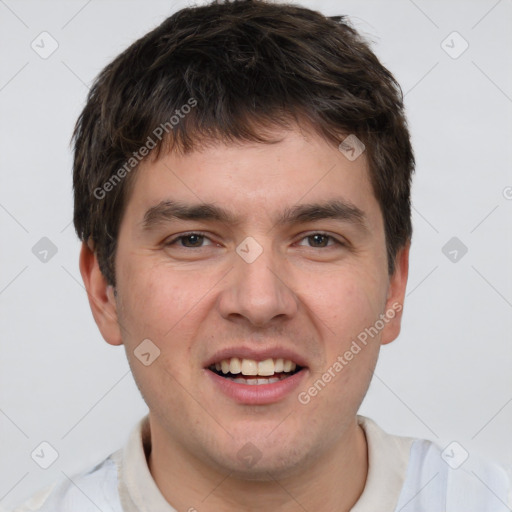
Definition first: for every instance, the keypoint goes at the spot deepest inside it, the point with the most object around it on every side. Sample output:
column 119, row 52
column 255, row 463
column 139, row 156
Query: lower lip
column 258, row 394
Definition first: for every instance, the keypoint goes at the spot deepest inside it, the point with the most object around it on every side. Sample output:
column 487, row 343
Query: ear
column 101, row 296
column 396, row 296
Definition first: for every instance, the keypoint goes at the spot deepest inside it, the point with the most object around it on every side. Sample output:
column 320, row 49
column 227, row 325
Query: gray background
column 446, row 378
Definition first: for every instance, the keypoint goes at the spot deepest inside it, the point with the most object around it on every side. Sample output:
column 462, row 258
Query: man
column 242, row 190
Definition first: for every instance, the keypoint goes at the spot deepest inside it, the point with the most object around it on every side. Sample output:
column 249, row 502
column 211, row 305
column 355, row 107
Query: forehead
column 256, row 179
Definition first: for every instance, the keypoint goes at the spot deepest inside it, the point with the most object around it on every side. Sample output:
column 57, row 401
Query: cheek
column 346, row 302
column 157, row 304
column 351, row 348
column 169, row 308
column 165, row 309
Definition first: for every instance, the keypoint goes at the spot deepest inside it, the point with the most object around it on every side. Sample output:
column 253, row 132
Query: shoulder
column 89, row 491
column 416, row 475
column 451, row 480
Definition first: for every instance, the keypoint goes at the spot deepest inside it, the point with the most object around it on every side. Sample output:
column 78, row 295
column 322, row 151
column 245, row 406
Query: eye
column 319, row 240
column 190, row 241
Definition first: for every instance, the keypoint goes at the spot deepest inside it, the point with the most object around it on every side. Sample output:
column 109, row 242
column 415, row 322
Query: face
column 258, row 272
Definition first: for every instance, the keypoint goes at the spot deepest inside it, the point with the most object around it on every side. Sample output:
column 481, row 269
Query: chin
column 267, row 469
column 263, row 459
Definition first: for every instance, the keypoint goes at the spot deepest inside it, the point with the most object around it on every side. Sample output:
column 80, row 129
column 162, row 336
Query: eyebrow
column 337, row 209
column 167, row 210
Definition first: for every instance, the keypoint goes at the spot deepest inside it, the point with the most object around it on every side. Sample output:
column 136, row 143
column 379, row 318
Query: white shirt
column 404, row 475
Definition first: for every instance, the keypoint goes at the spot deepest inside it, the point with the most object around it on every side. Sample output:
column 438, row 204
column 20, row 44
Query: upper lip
column 257, row 354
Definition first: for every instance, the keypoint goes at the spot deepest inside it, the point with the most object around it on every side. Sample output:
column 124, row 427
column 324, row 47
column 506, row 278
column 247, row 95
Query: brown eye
column 190, row 241
column 193, row 240
column 318, row 240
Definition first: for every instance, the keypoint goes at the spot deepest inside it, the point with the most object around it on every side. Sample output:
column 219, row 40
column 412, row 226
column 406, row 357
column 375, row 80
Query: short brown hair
column 240, row 67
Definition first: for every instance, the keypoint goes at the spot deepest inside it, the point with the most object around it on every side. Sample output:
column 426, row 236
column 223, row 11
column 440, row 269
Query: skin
column 311, row 297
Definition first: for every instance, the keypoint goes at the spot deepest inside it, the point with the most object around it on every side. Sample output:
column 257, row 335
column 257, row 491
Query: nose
column 258, row 292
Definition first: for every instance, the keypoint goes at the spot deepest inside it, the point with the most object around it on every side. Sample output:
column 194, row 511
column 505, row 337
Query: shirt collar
column 388, row 458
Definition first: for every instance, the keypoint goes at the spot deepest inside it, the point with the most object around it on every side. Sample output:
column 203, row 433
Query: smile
column 251, row 372
column 254, row 380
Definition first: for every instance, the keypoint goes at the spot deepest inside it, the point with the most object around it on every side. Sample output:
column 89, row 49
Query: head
column 224, row 125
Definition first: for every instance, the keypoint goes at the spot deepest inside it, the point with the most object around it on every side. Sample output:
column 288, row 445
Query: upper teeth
column 251, row 367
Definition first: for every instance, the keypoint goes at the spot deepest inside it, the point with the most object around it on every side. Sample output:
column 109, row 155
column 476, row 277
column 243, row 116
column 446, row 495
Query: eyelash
column 200, row 234
column 185, row 235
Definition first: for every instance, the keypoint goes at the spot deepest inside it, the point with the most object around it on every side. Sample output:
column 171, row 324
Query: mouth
column 261, row 381
column 255, row 373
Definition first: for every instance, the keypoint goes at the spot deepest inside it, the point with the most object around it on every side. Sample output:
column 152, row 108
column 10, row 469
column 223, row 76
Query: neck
column 333, row 481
